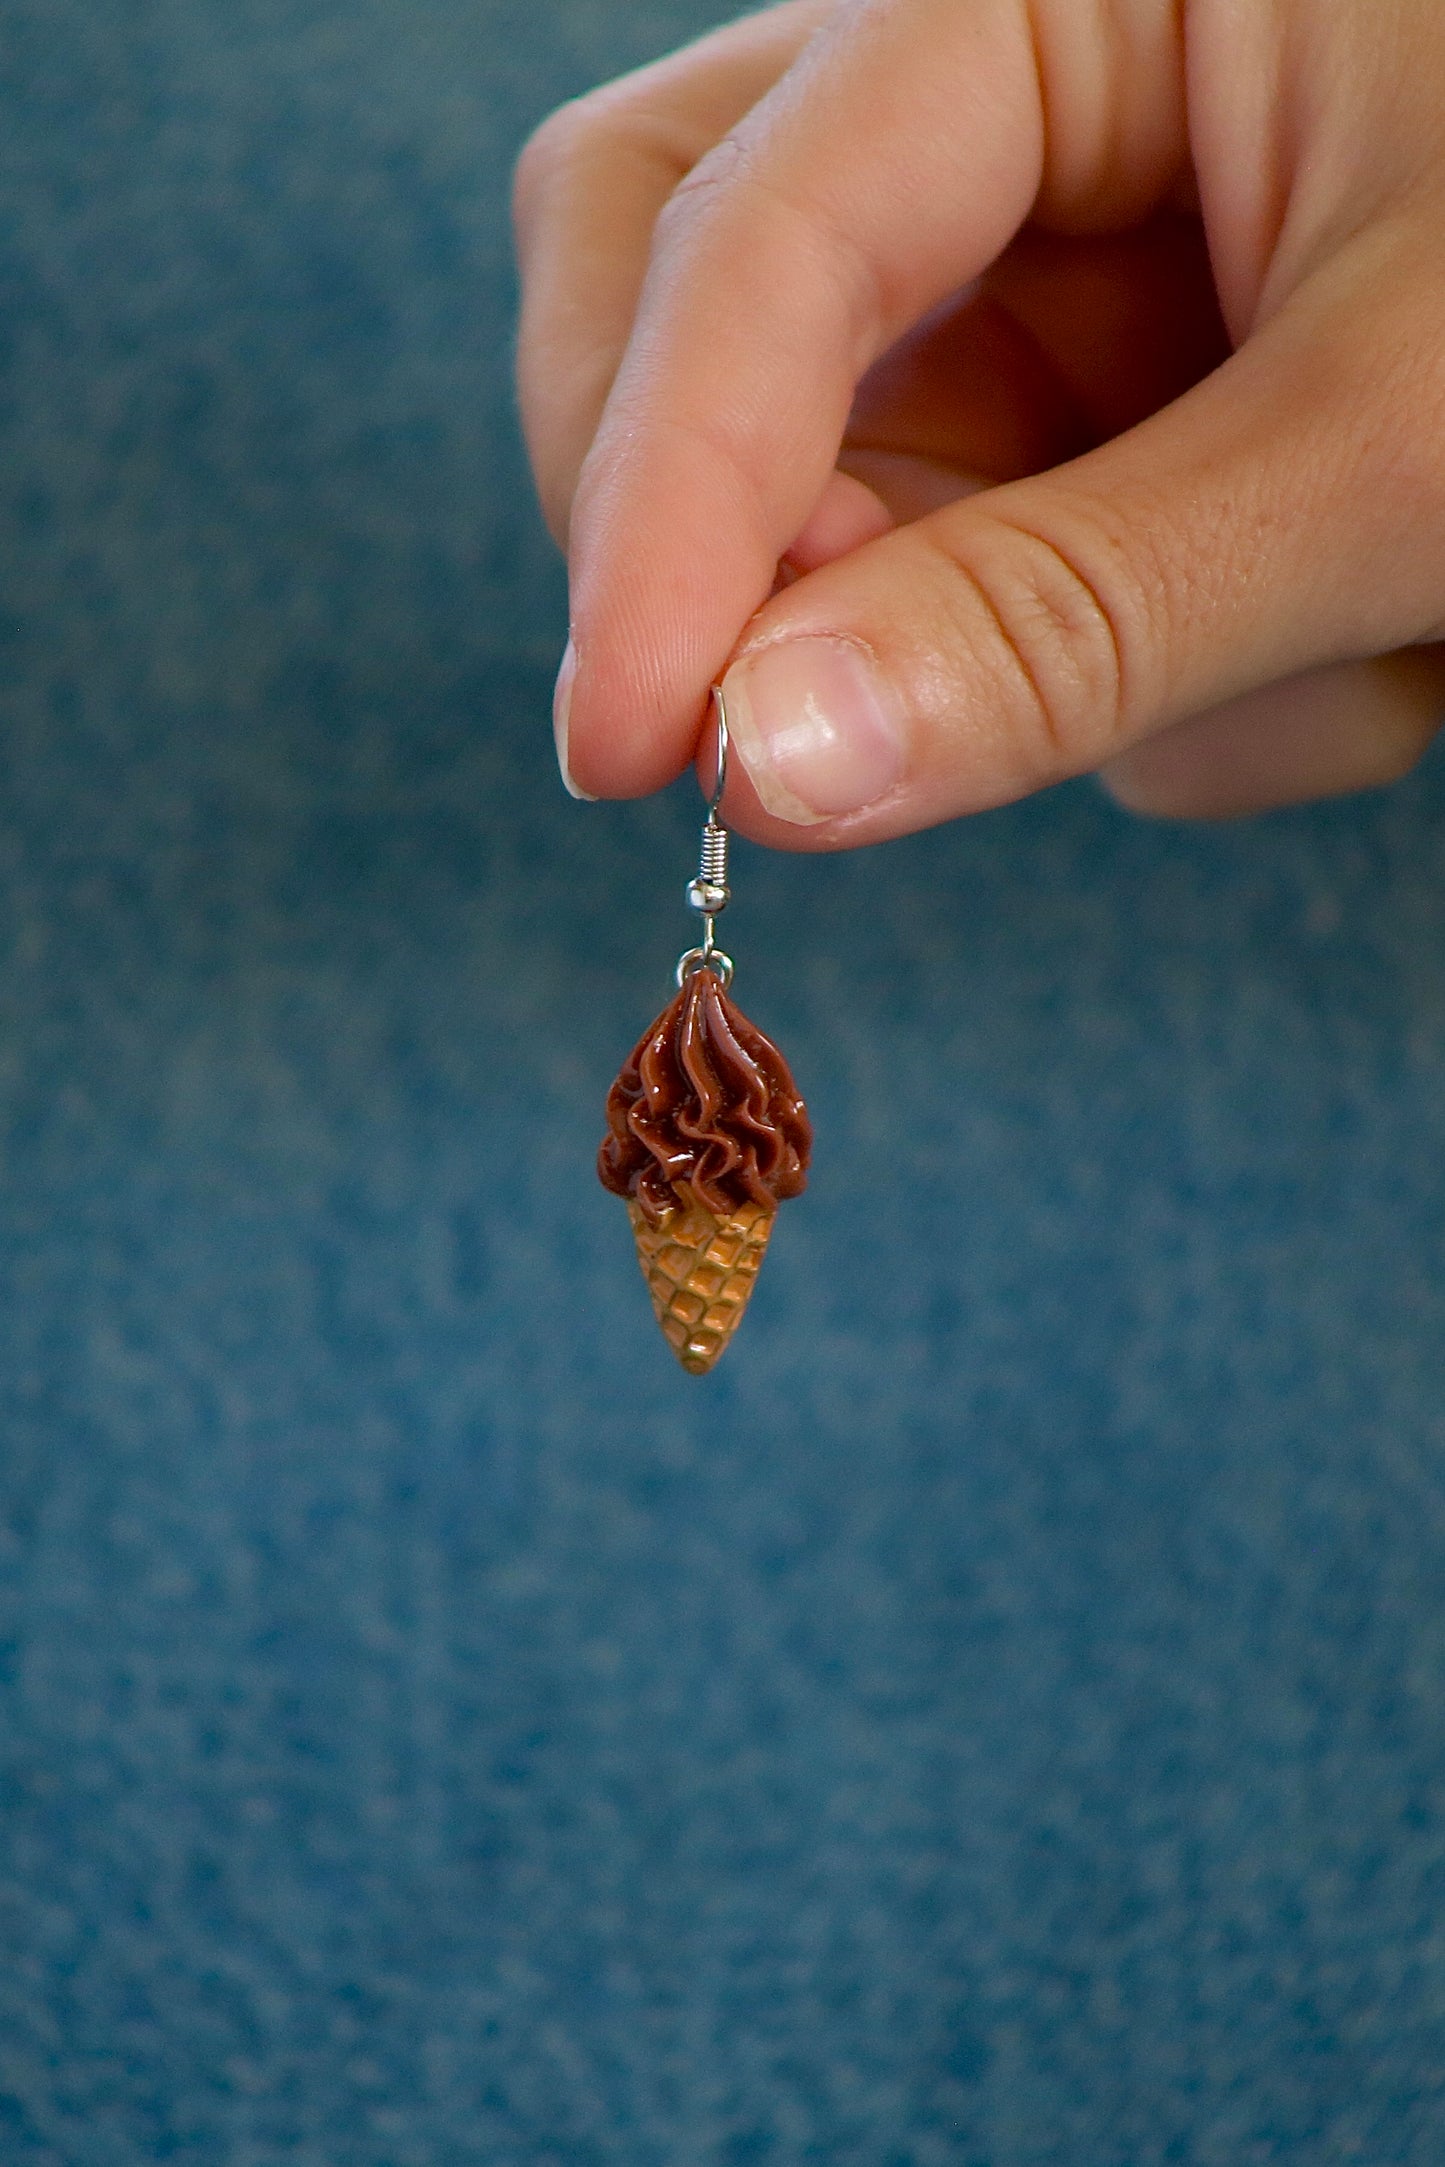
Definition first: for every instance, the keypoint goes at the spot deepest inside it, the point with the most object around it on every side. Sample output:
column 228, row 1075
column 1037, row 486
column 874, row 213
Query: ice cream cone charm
column 706, row 1133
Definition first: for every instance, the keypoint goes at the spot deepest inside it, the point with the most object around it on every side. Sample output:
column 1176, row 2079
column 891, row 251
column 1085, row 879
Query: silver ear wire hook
column 723, row 742
column 708, row 893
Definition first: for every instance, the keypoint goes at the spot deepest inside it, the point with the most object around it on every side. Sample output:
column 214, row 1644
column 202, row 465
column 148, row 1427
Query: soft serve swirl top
column 705, row 1107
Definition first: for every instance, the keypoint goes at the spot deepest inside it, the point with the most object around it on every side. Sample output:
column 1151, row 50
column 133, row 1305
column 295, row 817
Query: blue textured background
column 997, row 1719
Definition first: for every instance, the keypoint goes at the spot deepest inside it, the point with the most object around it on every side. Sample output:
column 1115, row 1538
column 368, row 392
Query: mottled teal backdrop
column 997, row 1719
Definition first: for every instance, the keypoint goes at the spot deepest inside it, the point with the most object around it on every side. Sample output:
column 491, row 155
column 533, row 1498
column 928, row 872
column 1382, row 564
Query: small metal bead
column 708, row 896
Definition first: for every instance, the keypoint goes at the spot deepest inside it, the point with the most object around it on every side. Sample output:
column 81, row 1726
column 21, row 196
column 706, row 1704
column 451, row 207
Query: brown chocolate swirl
column 704, row 1107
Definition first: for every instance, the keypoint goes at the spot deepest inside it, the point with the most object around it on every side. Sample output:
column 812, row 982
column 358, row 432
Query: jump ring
column 705, row 959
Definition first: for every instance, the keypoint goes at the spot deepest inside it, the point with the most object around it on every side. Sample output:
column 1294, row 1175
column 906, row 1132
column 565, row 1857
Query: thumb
column 1286, row 513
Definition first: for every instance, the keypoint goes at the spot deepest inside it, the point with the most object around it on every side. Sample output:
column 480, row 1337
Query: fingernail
column 818, row 731
column 561, row 708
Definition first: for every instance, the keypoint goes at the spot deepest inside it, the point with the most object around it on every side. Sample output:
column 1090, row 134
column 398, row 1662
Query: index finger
column 889, row 165
column 589, row 186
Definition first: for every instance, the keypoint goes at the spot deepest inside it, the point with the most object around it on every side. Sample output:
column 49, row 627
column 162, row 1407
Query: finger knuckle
column 712, row 182
column 792, row 240
column 544, row 151
column 1064, row 633
column 557, row 151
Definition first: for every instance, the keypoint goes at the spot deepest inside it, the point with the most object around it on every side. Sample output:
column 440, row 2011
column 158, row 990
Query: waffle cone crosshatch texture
column 706, row 1133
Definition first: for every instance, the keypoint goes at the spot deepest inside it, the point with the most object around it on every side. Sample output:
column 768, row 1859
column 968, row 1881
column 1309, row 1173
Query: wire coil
column 713, row 871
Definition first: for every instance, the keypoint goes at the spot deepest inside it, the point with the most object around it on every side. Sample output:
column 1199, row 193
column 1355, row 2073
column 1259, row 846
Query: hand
column 999, row 390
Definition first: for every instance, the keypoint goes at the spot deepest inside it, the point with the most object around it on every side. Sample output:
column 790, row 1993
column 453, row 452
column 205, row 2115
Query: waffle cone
column 700, row 1271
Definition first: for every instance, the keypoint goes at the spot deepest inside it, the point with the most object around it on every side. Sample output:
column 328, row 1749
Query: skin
column 1074, row 368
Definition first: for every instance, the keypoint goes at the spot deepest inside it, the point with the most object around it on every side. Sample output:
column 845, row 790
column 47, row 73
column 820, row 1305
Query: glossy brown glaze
column 705, row 1110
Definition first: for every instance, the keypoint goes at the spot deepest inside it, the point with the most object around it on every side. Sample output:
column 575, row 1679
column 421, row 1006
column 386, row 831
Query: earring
column 706, row 1131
